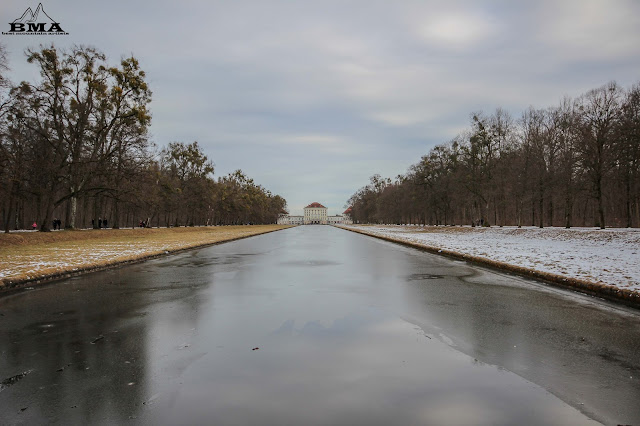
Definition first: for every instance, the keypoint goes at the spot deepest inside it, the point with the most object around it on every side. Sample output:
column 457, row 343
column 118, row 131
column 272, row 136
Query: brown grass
column 30, row 256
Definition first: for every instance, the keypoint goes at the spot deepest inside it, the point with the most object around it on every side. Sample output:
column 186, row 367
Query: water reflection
column 76, row 375
column 312, row 325
column 368, row 367
column 549, row 339
column 85, row 345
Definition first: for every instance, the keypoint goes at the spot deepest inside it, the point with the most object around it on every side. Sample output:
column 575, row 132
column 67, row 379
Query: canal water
column 314, row 325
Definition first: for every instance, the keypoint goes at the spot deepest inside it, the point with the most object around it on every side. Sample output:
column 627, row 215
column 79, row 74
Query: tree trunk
column 533, row 210
column 520, row 208
column 95, row 213
column 495, row 212
column 541, row 203
column 19, row 212
column 628, row 199
column 600, row 202
column 73, row 206
column 67, row 214
column 7, row 221
column 116, row 213
column 44, row 226
column 487, row 213
column 568, row 213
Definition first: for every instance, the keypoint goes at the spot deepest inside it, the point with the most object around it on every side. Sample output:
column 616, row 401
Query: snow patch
column 608, row 256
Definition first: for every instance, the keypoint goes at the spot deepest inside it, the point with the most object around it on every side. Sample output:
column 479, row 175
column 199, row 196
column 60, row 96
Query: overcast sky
column 310, row 98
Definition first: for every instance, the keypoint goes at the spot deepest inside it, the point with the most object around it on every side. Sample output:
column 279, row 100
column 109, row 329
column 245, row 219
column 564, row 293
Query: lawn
column 34, row 255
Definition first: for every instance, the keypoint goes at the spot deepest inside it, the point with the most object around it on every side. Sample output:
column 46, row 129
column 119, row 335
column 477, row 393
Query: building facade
column 347, row 216
column 285, row 219
column 314, row 214
column 334, row 220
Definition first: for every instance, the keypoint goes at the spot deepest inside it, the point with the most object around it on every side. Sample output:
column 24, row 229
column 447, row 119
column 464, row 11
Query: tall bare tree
column 598, row 114
column 576, row 163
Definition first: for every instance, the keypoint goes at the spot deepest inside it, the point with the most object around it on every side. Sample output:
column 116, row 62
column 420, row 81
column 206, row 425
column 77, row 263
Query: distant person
column 34, row 226
column 104, row 222
column 59, row 224
column 99, row 223
column 93, row 223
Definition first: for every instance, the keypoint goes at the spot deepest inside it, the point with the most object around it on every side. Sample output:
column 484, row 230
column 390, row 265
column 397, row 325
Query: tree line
column 574, row 164
column 75, row 146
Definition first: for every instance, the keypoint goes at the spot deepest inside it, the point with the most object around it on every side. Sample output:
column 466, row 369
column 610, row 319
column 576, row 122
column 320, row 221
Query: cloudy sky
column 310, row 98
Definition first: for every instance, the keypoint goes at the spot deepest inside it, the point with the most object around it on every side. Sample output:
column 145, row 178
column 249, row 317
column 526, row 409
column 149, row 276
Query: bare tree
column 629, row 151
column 576, row 161
column 598, row 113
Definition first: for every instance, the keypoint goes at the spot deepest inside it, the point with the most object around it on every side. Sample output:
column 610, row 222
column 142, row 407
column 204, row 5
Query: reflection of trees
column 544, row 338
column 87, row 345
column 72, row 377
column 182, row 284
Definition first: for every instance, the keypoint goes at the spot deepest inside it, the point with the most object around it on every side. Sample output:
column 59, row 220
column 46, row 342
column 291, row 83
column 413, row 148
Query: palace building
column 285, row 219
column 314, row 214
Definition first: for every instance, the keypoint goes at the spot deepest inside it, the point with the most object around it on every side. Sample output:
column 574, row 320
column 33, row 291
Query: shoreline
column 612, row 293
column 9, row 286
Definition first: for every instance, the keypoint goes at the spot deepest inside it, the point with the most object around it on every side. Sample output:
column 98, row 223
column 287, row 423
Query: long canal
column 314, row 325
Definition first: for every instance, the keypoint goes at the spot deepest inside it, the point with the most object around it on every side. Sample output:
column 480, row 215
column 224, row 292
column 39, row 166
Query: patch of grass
column 35, row 255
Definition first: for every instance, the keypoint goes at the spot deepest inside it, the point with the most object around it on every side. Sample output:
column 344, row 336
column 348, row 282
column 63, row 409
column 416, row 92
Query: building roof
column 347, row 211
column 315, row 205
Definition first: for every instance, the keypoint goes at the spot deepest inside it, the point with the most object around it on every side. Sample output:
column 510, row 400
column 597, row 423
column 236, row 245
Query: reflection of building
column 314, row 213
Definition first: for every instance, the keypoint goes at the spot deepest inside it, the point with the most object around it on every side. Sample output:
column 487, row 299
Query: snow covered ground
column 610, row 256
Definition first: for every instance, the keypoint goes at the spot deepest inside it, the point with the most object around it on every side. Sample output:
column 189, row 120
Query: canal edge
column 608, row 292
column 11, row 287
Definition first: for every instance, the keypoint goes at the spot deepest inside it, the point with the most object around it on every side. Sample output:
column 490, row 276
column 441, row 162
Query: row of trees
column 75, row 145
column 575, row 164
